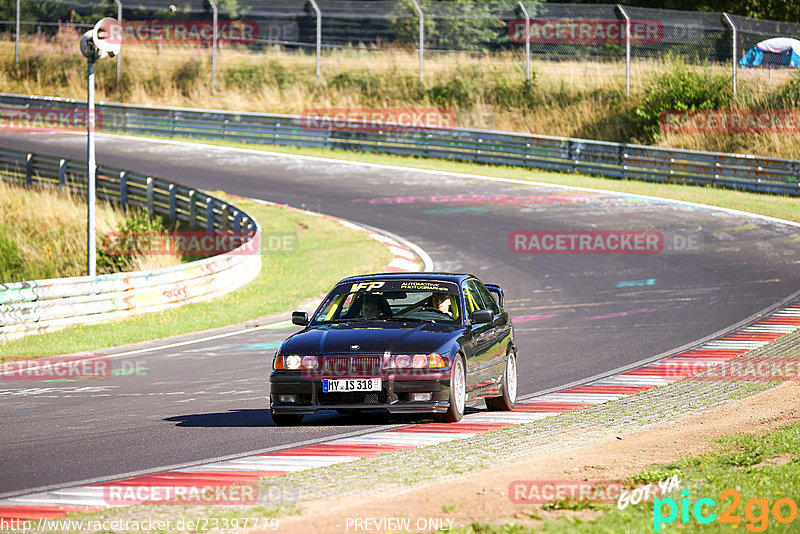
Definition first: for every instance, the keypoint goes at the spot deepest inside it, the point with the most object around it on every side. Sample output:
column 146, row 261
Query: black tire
column 509, row 387
column 458, row 393
column 287, row 419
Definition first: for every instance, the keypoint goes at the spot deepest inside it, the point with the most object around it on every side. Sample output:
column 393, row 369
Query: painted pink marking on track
column 528, row 318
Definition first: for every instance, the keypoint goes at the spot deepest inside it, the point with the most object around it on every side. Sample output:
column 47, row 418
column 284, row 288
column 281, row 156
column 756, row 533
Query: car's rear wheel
column 509, row 387
column 287, row 419
column 458, row 393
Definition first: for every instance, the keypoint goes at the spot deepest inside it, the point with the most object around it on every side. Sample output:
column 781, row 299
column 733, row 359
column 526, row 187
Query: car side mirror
column 482, row 316
column 300, row 318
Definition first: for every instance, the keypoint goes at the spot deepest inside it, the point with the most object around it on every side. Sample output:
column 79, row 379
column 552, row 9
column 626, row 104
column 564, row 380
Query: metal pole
column 421, row 40
column 527, row 43
column 627, row 50
column 733, row 49
column 91, row 174
column 214, row 46
column 119, row 56
column 319, row 36
column 16, row 38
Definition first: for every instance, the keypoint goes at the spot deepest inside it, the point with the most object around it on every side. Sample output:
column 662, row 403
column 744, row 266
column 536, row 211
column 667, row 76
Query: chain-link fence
column 618, row 43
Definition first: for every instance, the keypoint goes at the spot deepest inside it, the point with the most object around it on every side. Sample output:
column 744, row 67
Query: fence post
column 319, row 36
column 730, row 23
column 527, row 42
column 16, row 37
column 214, row 45
column 29, row 169
column 62, row 172
column 421, row 16
column 627, row 50
column 119, row 56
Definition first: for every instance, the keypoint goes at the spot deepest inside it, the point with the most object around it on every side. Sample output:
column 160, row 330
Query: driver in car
column 441, row 302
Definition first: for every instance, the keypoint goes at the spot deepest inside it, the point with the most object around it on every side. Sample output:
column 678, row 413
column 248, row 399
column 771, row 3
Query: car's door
column 501, row 331
column 480, row 365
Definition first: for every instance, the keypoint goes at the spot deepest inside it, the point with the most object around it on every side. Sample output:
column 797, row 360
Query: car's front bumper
column 395, row 395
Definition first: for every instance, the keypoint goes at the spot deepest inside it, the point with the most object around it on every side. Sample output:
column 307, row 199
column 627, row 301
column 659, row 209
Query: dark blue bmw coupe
column 422, row 342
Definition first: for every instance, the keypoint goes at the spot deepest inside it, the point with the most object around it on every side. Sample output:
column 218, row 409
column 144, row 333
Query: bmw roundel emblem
column 355, row 347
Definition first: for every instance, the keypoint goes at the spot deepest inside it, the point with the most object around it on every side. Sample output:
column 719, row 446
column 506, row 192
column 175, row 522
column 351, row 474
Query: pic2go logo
column 756, row 511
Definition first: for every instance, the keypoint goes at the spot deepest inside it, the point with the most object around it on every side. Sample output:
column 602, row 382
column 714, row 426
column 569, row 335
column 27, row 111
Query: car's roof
column 441, row 277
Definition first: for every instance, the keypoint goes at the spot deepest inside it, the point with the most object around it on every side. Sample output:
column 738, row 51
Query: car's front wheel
column 458, row 393
column 286, row 419
column 509, row 387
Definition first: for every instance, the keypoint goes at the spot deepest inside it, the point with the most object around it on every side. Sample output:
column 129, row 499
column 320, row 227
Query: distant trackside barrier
column 44, row 305
column 613, row 160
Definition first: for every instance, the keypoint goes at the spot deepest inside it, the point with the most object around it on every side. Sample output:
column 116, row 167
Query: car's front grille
column 353, row 397
column 344, row 366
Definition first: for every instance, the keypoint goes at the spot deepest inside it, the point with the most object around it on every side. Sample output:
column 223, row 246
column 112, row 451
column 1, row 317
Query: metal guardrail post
column 62, row 172
column 215, row 15
column 627, row 50
column 421, row 16
column 123, row 188
column 315, row 7
column 119, row 56
column 29, row 169
column 192, row 207
column 209, row 215
column 527, row 42
column 730, row 23
column 173, row 204
column 150, row 210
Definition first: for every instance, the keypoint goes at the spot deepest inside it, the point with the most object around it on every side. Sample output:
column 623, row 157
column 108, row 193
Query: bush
column 680, row 90
column 133, row 225
column 786, row 96
column 187, row 75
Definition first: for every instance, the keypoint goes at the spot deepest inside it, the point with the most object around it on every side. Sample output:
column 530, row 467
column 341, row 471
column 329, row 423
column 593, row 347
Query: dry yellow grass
column 43, row 234
column 569, row 98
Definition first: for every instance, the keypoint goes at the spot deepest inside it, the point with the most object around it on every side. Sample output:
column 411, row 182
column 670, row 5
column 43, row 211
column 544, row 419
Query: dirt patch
column 484, row 497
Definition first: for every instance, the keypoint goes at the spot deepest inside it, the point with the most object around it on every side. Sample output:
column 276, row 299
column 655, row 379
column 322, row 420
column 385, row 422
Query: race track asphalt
column 576, row 315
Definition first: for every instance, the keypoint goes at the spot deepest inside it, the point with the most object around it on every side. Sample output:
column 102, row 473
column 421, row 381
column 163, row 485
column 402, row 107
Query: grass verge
column 783, row 207
column 753, row 477
column 43, row 234
column 326, row 252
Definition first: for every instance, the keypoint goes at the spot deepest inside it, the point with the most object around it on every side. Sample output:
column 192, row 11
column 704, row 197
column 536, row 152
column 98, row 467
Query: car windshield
column 393, row 300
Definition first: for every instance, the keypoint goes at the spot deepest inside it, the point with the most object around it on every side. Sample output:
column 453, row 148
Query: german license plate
column 352, row 384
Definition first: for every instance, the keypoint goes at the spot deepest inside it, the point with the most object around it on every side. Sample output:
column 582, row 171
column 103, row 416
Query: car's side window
column 488, row 300
column 472, row 298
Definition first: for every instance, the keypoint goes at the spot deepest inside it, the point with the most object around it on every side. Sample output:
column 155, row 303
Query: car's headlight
column 295, row 361
column 433, row 360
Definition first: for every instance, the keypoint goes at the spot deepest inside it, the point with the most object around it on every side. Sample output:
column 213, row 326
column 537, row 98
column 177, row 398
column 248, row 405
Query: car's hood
column 373, row 337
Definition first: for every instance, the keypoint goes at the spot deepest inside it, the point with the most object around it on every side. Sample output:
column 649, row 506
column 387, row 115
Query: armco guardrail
column 45, row 305
column 616, row 160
